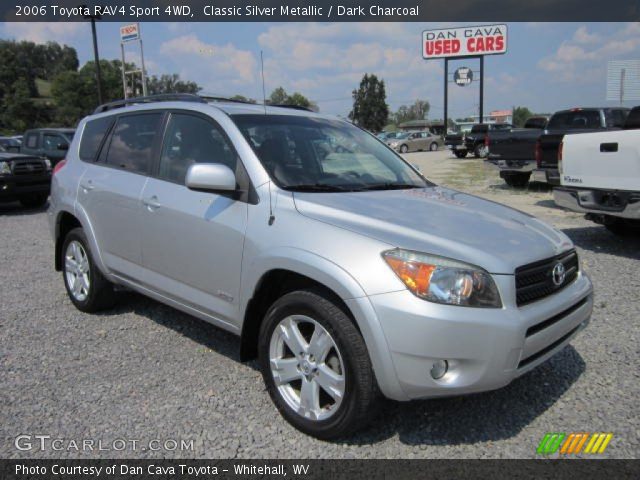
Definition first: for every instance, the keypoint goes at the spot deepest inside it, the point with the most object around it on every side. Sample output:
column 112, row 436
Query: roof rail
column 295, row 107
column 219, row 98
column 165, row 97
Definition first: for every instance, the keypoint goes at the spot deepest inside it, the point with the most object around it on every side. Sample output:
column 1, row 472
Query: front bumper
column 546, row 175
column 627, row 204
column 13, row 187
column 485, row 348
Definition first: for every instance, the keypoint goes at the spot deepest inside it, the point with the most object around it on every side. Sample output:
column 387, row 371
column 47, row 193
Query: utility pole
column 96, row 57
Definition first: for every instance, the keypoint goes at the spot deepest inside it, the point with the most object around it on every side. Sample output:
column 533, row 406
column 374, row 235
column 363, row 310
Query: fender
column 346, row 287
column 81, row 214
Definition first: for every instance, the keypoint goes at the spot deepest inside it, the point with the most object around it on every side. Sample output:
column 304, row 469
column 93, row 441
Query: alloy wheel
column 76, row 268
column 307, row 367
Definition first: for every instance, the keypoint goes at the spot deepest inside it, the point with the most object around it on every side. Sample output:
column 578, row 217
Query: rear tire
column 433, row 147
column 35, row 200
column 460, row 153
column 309, row 321
column 517, row 180
column 87, row 288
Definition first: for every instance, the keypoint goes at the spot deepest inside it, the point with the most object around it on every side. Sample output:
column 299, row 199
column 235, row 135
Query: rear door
column 192, row 242
column 110, row 189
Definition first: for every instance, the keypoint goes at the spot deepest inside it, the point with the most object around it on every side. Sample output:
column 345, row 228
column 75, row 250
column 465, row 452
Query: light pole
column 96, row 57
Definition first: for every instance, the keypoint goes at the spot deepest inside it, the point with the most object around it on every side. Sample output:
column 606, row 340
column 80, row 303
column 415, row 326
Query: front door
column 192, row 242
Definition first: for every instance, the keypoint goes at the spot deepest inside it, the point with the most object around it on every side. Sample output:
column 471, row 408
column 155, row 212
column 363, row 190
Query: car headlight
column 5, row 168
column 47, row 163
column 441, row 280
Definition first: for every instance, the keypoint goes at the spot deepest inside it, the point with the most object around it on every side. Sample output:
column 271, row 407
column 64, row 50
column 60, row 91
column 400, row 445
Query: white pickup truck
column 600, row 176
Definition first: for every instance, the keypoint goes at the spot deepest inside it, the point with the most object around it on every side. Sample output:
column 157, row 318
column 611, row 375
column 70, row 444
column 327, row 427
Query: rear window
column 92, row 136
column 132, row 142
column 575, row 120
column 32, row 140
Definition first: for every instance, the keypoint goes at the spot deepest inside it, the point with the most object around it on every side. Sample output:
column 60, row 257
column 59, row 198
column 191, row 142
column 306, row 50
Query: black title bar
column 321, row 11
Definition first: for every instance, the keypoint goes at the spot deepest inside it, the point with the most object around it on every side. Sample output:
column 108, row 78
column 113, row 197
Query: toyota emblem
column 558, row 274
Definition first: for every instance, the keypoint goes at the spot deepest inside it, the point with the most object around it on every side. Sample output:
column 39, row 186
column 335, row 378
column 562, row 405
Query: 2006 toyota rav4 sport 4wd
column 343, row 269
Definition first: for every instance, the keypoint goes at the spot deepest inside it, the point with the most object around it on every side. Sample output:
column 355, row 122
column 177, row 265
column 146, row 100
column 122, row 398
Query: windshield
column 313, row 154
column 401, row 136
column 575, row 120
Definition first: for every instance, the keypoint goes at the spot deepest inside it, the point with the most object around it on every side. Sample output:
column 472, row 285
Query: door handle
column 152, row 203
column 608, row 147
column 87, row 186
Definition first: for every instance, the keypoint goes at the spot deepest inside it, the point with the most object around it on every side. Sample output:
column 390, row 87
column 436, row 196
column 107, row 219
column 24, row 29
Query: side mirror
column 211, row 177
column 62, row 146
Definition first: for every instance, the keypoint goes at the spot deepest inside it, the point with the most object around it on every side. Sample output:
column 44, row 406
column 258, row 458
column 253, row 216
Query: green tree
column 242, row 98
column 520, row 115
column 419, row 110
column 170, row 84
column 280, row 97
column 370, row 109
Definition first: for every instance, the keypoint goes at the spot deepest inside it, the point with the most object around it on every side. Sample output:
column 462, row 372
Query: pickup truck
column 526, row 154
column 24, row 178
column 49, row 143
column 461, row 144
column 600, row 176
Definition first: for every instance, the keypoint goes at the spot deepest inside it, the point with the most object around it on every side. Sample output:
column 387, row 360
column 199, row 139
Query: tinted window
column 575, row 120
column 616, row 118
column 132, row 142
column 94, row 132
column 32, row 140
column 190, row 139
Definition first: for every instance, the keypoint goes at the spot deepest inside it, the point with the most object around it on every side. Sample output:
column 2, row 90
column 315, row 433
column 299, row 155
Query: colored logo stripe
column 598, row 442
column 550, row 443
column 573, row 443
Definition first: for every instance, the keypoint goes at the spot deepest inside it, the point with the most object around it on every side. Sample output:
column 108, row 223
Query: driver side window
column 190, row 139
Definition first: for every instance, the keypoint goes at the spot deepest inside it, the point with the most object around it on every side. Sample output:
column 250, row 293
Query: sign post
column 130, row 33
column 464, row 42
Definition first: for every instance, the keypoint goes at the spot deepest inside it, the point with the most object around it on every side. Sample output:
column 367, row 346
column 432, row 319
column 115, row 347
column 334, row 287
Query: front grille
column 535, row 280
column 33, row 167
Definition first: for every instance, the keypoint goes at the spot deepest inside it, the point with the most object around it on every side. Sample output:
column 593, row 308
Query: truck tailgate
column 603, row 160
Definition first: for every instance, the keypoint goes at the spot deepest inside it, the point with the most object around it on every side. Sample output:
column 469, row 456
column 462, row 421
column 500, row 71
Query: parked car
column 24, row 178
column 532, row 154
column 50, row 143
column 10, row 144
column 474, row 141
column 345, row 272
column 600, row 176
column 415, row 141
column 386, row 136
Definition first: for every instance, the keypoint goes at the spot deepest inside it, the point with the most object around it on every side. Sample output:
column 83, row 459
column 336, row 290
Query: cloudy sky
column 549, row 66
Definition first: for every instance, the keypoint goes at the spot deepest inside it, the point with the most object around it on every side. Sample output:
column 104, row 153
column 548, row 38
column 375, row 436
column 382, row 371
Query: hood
column 441, row 222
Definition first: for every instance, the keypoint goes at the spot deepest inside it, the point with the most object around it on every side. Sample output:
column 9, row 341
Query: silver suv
column 344, row 270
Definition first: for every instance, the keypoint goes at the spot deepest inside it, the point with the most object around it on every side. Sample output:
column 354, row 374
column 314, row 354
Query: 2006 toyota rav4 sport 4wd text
column 344, row 271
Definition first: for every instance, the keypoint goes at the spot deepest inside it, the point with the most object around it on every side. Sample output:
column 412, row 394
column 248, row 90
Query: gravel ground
column 144, row 371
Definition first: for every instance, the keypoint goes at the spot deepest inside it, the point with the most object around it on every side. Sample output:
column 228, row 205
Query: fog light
column 439, row 369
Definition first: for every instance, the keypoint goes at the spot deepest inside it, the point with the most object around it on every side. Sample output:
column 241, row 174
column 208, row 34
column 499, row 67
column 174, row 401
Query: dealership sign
column 129, row 32
column 464, row 41
column 463, row 76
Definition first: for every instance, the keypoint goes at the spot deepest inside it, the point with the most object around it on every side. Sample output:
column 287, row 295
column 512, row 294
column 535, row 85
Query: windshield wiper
column 390, row 186
column 316, row 187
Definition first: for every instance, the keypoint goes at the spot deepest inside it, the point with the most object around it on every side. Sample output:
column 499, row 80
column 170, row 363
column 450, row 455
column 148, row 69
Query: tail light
column 560, row 149
column 487, row 141
column 538, row 154
column 59, row 166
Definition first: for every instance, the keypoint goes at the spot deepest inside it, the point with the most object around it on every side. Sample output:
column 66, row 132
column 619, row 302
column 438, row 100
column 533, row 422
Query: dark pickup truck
column 50, row 143
column 461, row 144
column 24, row 178
column 532, row 154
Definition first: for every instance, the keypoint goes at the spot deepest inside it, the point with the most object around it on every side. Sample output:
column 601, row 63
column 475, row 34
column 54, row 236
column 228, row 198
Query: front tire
column 87, row 288
column 35, row 200
column 481, row 151
column 404, row 148
column 460, row 153
column 316, row 365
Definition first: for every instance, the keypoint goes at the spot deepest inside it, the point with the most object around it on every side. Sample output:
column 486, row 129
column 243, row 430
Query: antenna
column 264, row 95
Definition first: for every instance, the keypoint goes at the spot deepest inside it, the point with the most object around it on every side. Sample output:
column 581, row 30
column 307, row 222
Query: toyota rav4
column 344, row 271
